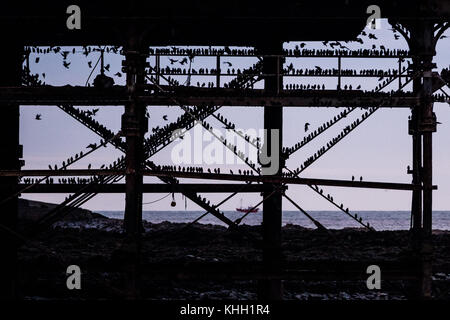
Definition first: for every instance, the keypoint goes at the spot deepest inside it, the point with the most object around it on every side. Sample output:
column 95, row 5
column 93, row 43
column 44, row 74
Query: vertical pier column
column 427, row 127
column 416, row 207
column 272, row 207
column 11, row 151
column 134, row 126
column 423, row 50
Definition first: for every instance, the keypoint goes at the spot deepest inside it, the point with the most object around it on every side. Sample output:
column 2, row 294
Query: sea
column 380, row 220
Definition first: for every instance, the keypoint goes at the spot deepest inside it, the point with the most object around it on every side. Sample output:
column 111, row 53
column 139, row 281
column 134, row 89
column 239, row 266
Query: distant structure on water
column 248, row 209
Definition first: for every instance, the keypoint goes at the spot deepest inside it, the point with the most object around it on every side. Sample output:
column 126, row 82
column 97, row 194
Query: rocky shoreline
column 93, row 241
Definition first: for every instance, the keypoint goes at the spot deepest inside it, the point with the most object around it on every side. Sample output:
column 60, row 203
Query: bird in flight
column 165, row 117
column 372, row 36
column 118, row 74
column 307, row 126
column 227, row 63
column 396, row 36
column 94, row 112
column 107, row 67
column 37, row 60
column 90, row 64
column 66, row 64
column 172, row 61
column 183, row 61
column 38, row 117
column 65, row 54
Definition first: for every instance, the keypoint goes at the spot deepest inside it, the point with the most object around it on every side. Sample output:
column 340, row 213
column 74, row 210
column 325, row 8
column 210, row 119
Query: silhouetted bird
column 353, row 178
column 228, row 63
column 360, row 178
column 92, row 146
column 37, row 60
column 372, row 36
column 165, row 117
column 38, row 117
column 89, row 166
column 183, row 61
column 94, row 112
column 90, row 64
column 65, row 54
column 307, row 126
column 107, row 67
column 118, row 74
column 172, row 61
column 66, row 64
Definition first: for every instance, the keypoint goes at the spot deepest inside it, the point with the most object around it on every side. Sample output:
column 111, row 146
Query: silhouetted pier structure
column 137, row 28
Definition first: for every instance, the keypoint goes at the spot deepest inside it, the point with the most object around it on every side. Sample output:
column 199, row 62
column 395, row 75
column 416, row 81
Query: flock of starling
column 185, row 121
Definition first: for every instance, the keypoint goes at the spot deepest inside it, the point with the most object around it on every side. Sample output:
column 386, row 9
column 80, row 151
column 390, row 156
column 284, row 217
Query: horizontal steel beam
column 146, row 188
column 174, row 96
column 215, row 176
column 188, row 22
